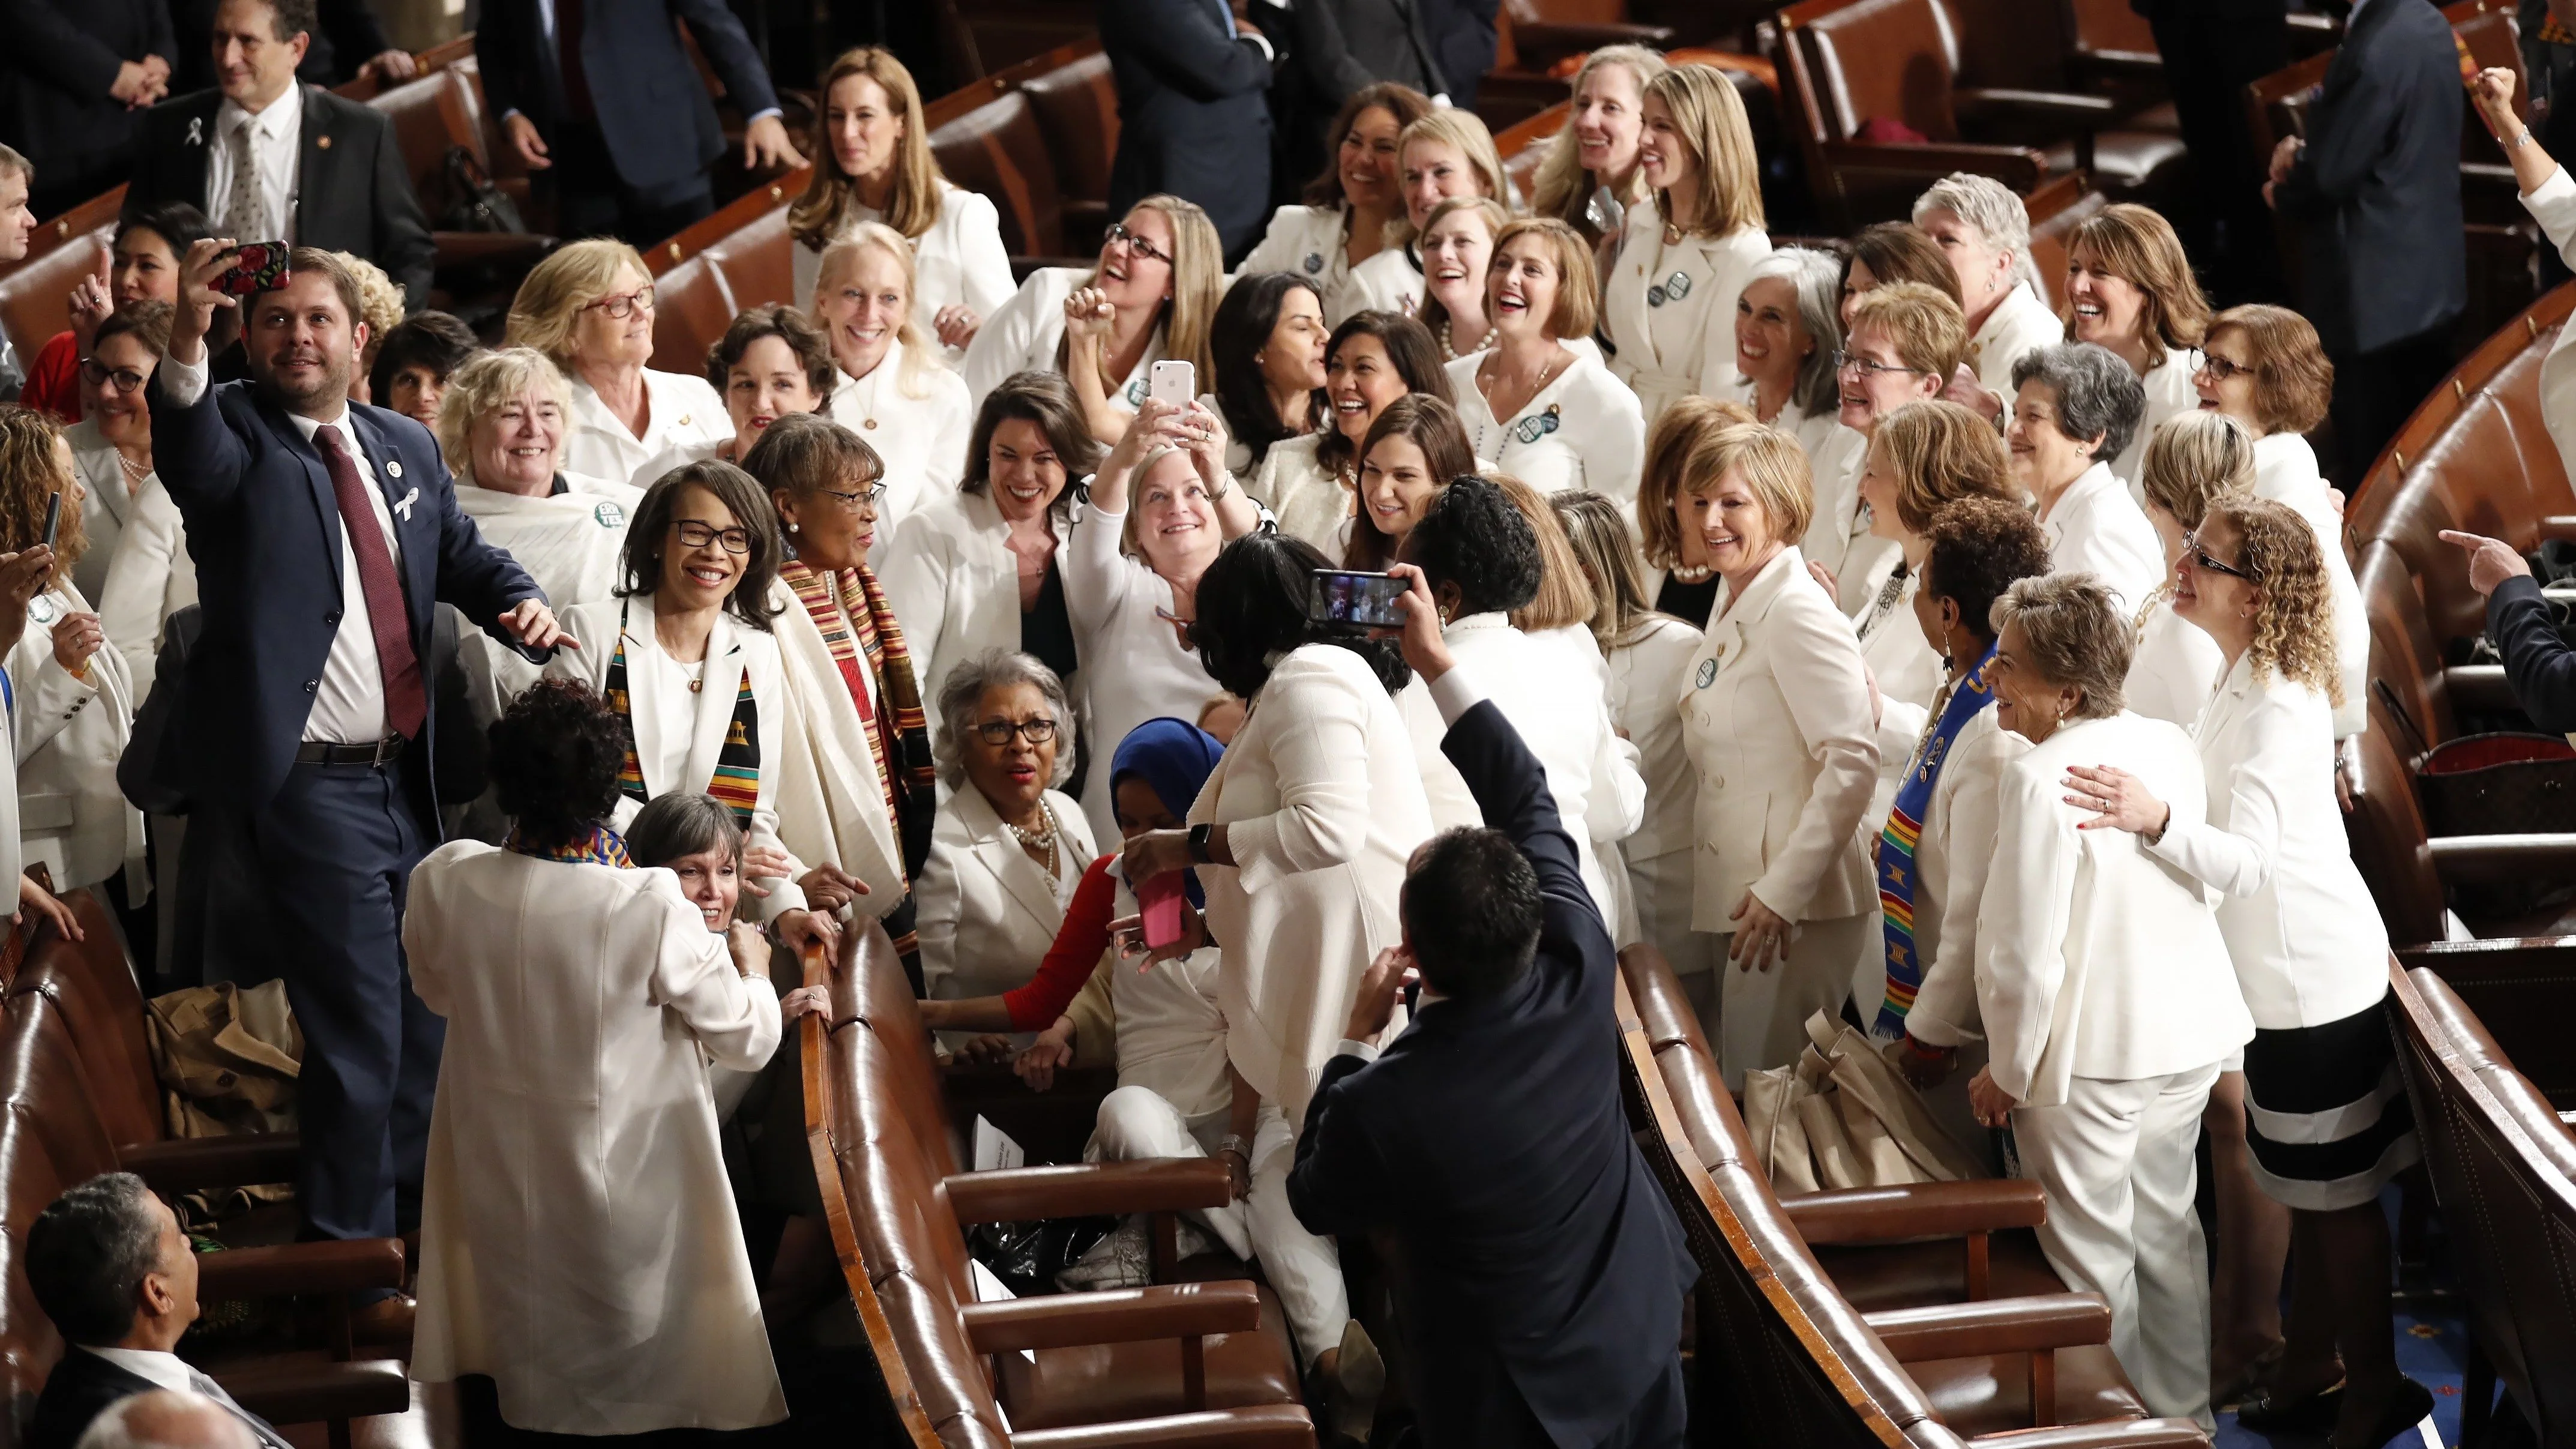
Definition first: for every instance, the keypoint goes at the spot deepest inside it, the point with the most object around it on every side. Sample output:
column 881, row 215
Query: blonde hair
column 1564, row 596
column 1709, row 117
column 1771, row 464
column 1683, row 431
column 36, row 468
column 1578, row 285
column 1130, row 542
column 1198, row 283
column 1451, row 126
column 825, row 212
column 2136, row 244
column 1564, row 187
column 1940, row 453
column 2293, row 378
column 380, row 306
column 485, row 383
column 1608, row 554
column 2195, row 460
column 551, row 300
column 1929, row 330
column 919, row 358
column 1431, row 314
column 2293, row 612
column 2072, row 632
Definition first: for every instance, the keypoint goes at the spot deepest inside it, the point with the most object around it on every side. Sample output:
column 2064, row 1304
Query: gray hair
column 1816, row 279
column 966, row 684
column 2072, row 628
column 166, row 1419
column 1994, row 210
column 2097, row 395
column 483, row 384
column 681, row 824
column 88, row 1253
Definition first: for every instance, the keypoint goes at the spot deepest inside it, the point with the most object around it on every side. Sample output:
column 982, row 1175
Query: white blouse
column 2096, row 527
column 1308, row 499
column 1390, row 281
column 961, row 259
column 1135, row 667
column 1646, row 674
column 1669, row 308
column 1022, row 335
column 2169, row 391
column 106, row 506
column 918, row 429
column 2174, row 668
column 150, row 579
column 685, row 420
column 1583, row 430
column 2020, row 323
column 1312, row 242
column 572, row 543
column 2286, row 472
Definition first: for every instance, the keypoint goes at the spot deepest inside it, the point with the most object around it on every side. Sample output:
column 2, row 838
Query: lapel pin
column 196, row 130
column 404, row 507
column 323, row 142
column 393, row 468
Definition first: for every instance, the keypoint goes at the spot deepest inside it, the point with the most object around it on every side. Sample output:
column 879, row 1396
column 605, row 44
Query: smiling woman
column 1350, row 207
column 770, row 362
column 589, row 309
column 1597, row 150
column 1548, row 412
column 896, row 389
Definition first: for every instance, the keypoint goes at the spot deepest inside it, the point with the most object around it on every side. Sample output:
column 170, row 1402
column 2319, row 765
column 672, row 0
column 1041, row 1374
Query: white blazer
column 2173, row 669
column 1838, row 533
column 960, row 259
column 2094, row 957
column 2553, row 205
column 1323, row 805
column 1775, row 715
column 1951, row 860
column 1539, row 682
column 687, row 420
column 1023, row 333
column 578, row 1237
column 2097, row 528
column 1909, row 674
column 1583, row 430
column 831, row 802
column 1137, row 668
column 1307, row 499
column 151, row 578
column 70, row 732
column 572, row 543
column 921, row 440
column 2306, row 939
column 1312, row 242
column 2169, row 391
column 1646, row 674
column 955, row 587
column 987, row 911
column 1390, row 281
column 2285, row 471
column 2019, row 323
column 1669, row 310
column 106, row 503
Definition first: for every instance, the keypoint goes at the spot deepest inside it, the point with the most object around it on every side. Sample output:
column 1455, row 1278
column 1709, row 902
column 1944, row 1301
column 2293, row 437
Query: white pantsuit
column 2095, row 527
column 1776, row 719
column 1024, row 334
column 572, row 543
column 71, row 730
column 988, row 912
column 1311, row 242
column 1838, row 535
column 1670, row 308
column 1138, row 669
column 1554, row 688
column 2174, row 667
column 686, row 420
column 1390, row 281
column 955, row 587
column 1582, row 430
column 959, row 260
column 918, row 426
column 831, row 797
column 107, row 503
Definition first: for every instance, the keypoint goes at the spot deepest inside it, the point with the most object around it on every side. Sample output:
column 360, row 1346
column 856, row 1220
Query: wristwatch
column 1199, row 844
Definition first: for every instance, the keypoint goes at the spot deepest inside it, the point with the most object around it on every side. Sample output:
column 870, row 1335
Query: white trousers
column 1762, row 1015
column 1306, row 1271
column 2115, row 1161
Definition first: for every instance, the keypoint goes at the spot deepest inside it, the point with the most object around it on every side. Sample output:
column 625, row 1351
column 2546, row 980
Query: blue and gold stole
column 1896, row 843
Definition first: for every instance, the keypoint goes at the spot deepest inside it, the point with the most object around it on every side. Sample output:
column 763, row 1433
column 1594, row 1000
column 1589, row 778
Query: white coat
column 2095, row 958
column 2286, row 472
column 151, row 578
column 1138, row 669
column 1312, row 242
column 2169, row 391
column 1308, row 499
column 1647, row 671
column 1909, row 674
column 2019, row 323
column 686, row 420
column 1322, row 806
column 2300, row 926
column 1669, row 310
column 1390, row 281
column 955, row 587
column 571, row 543
column 1583, row 430
column 578, row 1236
column 70, row 731
column 2175, row 666
column 961, row 259
column 2553, row 205
column 2095, row 527
column 1951, row 860
column 107, row 505
column 1554, row 688
column 831, row 804
column 988, row 912
column 921, row 439
column 1838, row 533
column 1024, row 333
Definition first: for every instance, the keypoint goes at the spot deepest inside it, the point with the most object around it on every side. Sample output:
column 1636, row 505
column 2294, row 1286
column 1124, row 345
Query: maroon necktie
column 406, row 702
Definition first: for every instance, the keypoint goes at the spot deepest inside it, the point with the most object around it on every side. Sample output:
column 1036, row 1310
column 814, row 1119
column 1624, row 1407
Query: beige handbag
column 1840, row 1116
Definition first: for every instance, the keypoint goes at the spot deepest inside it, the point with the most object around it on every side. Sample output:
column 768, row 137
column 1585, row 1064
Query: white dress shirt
column 685, row 421
column 277, row 134
column 2095, row 527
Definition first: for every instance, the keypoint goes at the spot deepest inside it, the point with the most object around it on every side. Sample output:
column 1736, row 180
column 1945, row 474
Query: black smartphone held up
column 53, row 517
column 1349, row 597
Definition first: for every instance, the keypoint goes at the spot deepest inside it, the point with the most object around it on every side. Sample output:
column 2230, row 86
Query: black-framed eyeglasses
column 694, row 534
column 999, row 731
column 99, row 374
column 2200, row 558
column 850, row 501
column 1869, row 367
column 2219, row 368
column 623, row 305
column 1118, row 232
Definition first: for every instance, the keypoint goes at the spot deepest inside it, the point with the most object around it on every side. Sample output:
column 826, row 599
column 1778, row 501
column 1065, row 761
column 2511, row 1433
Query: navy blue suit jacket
column 1193, row 113
column 264, row 529
column 1537, row 1249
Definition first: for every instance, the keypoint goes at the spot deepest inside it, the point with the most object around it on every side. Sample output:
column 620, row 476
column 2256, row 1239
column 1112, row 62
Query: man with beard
column 323, row 533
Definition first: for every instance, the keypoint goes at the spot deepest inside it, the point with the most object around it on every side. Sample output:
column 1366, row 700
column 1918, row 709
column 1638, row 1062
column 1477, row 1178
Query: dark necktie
column 406, row 702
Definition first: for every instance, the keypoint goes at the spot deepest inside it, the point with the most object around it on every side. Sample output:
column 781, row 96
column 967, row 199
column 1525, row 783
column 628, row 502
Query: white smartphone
column 1176, row 383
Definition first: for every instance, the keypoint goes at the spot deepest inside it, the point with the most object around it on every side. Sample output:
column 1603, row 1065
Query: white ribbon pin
column 196, row 130
column 404, row 507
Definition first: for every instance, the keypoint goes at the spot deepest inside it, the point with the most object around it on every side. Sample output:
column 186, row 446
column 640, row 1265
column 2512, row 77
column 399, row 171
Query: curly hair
column 1472, row 536
column 2072, row 634
column 1981, row 547
column 556, row 754
column 32, row 470
column 2293, row 612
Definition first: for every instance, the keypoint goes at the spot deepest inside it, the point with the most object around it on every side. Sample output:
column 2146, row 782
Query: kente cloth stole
column 872, row 640
column 736, row 784
column 1896, row 843
column 602, row 846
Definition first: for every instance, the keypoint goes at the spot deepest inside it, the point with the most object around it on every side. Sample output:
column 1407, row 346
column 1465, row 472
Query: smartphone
column 53, row 517
column 257, row 267
column 1176, row 383
column 1346, row 597
column 1160, row 899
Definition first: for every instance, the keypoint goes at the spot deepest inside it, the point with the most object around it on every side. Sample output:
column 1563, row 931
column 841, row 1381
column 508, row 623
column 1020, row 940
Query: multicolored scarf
column 1896, row 877
column 862, row 634
column 736, row 782
column 602, row 846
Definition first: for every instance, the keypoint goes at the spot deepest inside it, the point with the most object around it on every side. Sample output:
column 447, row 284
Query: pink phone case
column 1161, row 900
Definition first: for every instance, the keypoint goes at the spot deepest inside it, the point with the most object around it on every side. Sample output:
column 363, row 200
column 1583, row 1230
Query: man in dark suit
column 1462, row 41
column 321, row 171
column 84, row 70
column 1541, row 1270
column 324, row 534
column 2375, row 188
column 600, row 96
column 110, row 1267
column 1194, row 116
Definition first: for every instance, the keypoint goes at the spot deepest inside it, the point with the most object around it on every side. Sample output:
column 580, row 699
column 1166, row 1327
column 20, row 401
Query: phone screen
column 1346, row 597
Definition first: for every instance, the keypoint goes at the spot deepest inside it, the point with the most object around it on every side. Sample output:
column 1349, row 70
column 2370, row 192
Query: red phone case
column 1161, row 901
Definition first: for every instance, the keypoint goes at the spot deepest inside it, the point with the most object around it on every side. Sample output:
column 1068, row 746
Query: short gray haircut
column 679, row 825
column 167, row 1419
column 88, row 1253
column 482, row 384
column 2097, row 395
column 966, row 684
column 2074, row 634
column 1994, row 210
column 1817, row 280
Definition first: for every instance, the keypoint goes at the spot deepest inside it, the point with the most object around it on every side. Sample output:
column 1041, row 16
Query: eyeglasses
column 999, row 731
column 2200, row 559
column 2218, row 368
column 1118, row 232
column 850, row 501
column 99, row 374
column 625, row 304
column 694, row 534
column 1850, row 361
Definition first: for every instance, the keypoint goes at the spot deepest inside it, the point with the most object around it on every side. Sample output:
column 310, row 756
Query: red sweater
column 1074, row 956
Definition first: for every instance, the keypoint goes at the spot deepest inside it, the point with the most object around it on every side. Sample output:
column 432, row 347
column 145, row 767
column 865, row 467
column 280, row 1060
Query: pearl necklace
column 1687, row 574
column 1449, row 351
column 1045, row 837
column 135, row 472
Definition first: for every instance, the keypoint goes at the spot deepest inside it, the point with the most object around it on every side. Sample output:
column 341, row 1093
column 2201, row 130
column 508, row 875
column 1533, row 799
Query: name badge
column 1530, row 430
column 1136, row 393
column 1314, row 263
column 41, row 610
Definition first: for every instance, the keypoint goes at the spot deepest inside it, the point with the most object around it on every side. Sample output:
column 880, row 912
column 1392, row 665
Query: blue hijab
column 1174, row 758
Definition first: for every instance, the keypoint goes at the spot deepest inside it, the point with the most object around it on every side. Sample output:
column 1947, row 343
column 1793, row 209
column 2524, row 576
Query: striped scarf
column 602, row 846
column 862, row 634
column 1896, row 843
column 736, row 782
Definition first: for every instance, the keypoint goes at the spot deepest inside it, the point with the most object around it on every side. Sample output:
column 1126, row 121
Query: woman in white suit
column 2193, row 461
column 589, row 309
column 1777, row 718
column 1984, row 229
column 1010, row 847
column 1351, row 208
column 2329, row 1123
column 875, row 167
column 896, row 389
column 2104, row 986
column 112, row 443
column 1542, row 410
column 1901, row 340
column 1668, row 299
column 1446, row 152
column 2075, row 406
column 2129, row 288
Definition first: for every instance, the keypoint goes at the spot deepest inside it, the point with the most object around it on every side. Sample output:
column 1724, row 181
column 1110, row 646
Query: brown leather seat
column 1000, row 149
column 1077, row 105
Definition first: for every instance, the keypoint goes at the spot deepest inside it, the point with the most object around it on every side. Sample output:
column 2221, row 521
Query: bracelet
column 1235, row 1144
column 2518, row 142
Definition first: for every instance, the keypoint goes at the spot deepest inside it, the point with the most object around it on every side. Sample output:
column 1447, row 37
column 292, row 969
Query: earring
column 791, row 525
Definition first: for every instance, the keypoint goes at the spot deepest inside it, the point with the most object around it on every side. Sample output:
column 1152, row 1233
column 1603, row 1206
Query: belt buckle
column 386, row 748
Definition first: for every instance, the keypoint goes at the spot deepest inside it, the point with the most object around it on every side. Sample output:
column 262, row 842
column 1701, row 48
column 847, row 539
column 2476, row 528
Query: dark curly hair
column 776, row 319
column 1257, row 601
column 1980, row 546
column 556, row 754
column 431, row 340
column 1476, row 538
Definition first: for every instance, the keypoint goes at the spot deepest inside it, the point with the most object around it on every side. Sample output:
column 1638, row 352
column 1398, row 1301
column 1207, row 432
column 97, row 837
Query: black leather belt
column 383, row 752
